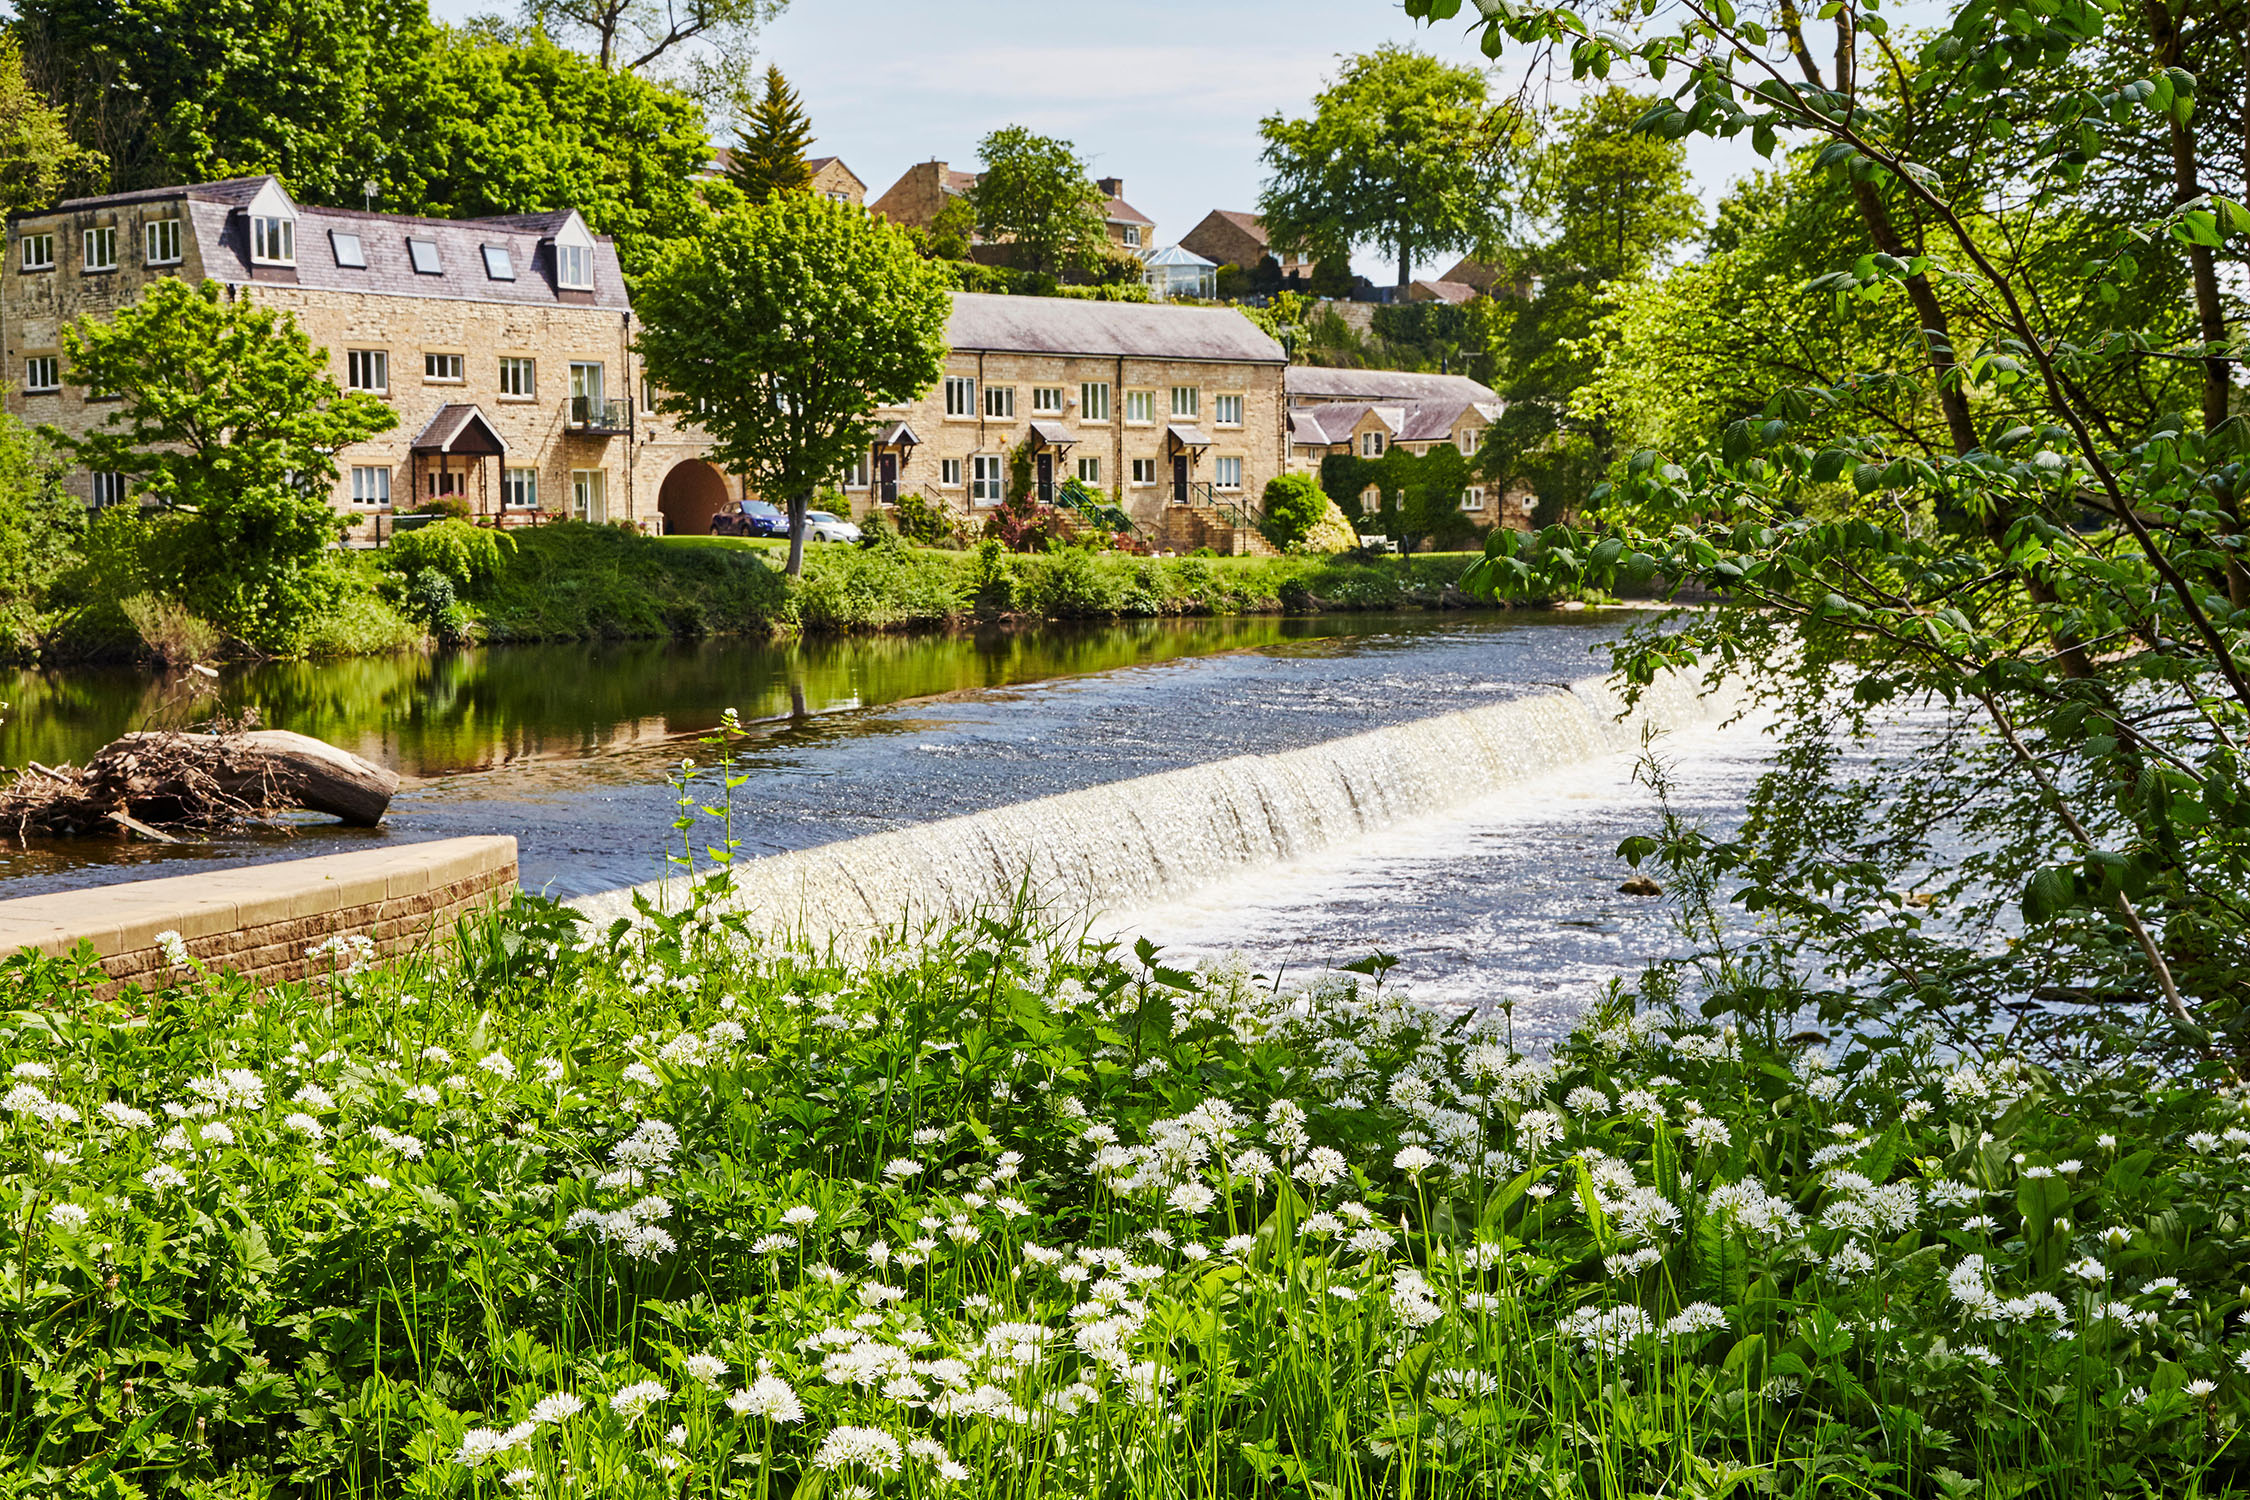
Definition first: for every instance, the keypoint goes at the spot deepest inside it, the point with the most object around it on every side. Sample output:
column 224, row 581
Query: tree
column 40, row 522
column 1293, row 504
column 1035, row 194
column 769, row 154
column 1401, row 151
column 781, row 329
column 39, row 163
column 714, row 37
column 227, row 415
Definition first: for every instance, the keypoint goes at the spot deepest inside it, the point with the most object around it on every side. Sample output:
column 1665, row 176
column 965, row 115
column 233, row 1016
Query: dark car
column 750, row 518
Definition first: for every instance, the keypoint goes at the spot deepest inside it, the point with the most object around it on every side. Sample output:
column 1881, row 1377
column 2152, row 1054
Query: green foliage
column 40, row 525
column 1401, row 151
column 1418, row 498
column 769, row 154
column 39, row 163
column 1293, row 504
column 1034, row 193
column 578, row 582
column 227, row 415
column 782, row 329
column 466, row 555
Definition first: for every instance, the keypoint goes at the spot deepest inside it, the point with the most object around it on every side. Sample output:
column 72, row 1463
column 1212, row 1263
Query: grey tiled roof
column 1135, row 330
column 1319, row 382
column 460, row 427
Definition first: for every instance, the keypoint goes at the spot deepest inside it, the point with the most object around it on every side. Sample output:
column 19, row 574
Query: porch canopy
column 461, row 430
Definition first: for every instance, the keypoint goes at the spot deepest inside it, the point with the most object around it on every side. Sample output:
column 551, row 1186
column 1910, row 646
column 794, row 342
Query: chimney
column 1113, row 187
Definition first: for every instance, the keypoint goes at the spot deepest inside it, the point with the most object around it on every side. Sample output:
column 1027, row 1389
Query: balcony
column 599, row 418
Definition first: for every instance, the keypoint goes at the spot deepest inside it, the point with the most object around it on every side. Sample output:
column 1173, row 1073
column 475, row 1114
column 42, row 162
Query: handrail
column 591, row 414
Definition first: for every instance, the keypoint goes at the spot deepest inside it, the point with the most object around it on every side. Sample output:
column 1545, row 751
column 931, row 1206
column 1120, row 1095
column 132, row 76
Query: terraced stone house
column 1368, row 412
column 505, row 344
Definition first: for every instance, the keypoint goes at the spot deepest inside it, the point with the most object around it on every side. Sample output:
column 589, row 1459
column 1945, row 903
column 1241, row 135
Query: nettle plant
column 1995, row 586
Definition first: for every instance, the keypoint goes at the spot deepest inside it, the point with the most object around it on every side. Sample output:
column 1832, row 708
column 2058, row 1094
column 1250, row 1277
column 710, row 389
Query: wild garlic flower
column 69, row 1216
column 865, row 1447
column 173, row 947
column 634, row 1401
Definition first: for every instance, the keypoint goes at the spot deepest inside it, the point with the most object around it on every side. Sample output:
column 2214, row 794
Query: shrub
column 170, row 631
column 1293, row 504
column 466, row 555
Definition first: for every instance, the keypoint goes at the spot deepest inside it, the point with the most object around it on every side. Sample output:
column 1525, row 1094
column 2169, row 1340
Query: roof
column 460, row 427
column 237, row 191
column 1249, row 224
column 1323, row 383
column 1410, row 421
column 894, row 434
column 1445, row 291
column 1177, row 255
column 1133, row 330
column 1053, row 434
column 1118, row 211
column 1187, row 435
column 959, row 182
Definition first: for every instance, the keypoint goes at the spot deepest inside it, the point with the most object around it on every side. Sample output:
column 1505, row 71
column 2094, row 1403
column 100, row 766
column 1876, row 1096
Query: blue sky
column 1166, row 94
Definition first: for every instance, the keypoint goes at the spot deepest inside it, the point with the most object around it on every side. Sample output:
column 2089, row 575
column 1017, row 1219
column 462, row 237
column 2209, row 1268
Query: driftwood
column 210, row 783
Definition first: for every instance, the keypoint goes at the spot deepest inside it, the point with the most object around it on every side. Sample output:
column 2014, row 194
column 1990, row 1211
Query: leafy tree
column 226, row 414
column 953, row 229
column 39, row 163
column 1401, row 151
column 781, row 329
column 704, row 46
column 40, row 523
column 1293, row 504
column 2009, row 648
column 1034, row 193
column 769, row 154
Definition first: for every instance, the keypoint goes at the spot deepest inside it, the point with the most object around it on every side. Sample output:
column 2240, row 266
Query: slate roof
column 1118, row 211
column 1446, row 291
column 1134, row 330
column 1430, row 421
column 1322, row 383
column 460, row 427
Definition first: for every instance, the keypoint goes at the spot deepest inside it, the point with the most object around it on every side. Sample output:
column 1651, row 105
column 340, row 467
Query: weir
column 1159, row 837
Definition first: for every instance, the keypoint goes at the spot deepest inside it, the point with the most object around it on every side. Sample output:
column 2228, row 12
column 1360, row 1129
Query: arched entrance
column 690, row 496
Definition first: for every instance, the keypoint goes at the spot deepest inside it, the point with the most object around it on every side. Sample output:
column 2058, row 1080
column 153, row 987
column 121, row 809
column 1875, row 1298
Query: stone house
column 925, row 187
column 504, row 344
column 831, row 179
column 1164, row 409
column 1369, row 412
column 1228, row 238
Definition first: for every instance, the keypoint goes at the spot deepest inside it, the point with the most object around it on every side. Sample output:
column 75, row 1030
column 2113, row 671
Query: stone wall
column 262, row 920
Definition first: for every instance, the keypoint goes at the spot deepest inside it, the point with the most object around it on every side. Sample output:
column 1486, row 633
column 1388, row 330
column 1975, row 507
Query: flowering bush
column 1000, row 1213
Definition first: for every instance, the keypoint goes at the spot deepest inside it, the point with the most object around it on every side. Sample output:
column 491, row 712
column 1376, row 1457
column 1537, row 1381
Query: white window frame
column 360, row 364
column 273, row 240
column 961, row 396
column 1132, row 236
column 949, row 473
column 160, row 239
column 1144, row 471
column 855, row 474
column 1048, row 400
column 44, row 245
column 100, row 245
column 574, row 267
column 1472, row 499
column 519, row 488
column 1226, row 473
column 107, row 487
column 1226, row 410
column 434, row 366
column 525, row 389
column 1093, row 401
column 589, row 382
column 1000, row 403
column 1466, row 440
column 1089, row 470
column 589, row 495
column 1140, row 408
column 371, row 486
column 1370, row 445
column 988, row 478
column 1187, row 401
column 42, row 374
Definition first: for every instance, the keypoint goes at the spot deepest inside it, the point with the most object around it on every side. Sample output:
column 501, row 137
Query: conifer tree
column 769, row 155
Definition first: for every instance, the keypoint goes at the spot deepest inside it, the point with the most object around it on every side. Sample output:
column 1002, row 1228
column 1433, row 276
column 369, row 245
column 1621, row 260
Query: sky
column 1166, row 94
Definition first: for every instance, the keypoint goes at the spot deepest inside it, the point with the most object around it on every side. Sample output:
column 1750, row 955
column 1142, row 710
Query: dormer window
column 425, row 257
column 498, row 263
column 574, row 267
column 273, row 227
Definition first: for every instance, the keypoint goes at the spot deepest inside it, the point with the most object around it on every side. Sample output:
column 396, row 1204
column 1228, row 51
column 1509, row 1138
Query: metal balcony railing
column 592, row 414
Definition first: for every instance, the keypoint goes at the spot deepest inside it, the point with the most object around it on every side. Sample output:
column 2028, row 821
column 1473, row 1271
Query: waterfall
column 1159, row 837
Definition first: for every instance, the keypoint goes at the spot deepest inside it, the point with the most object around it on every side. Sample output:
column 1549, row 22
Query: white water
column 1163, row 837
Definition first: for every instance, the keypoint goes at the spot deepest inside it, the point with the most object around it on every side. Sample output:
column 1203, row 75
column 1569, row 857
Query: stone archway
column 690, row 496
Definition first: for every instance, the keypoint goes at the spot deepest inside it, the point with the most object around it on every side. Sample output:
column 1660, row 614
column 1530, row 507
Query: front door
column 1179, row 478
column 886, row 468
column 1047, row 477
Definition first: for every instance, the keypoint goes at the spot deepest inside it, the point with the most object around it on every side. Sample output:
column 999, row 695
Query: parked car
column 827, row 526
column 750, row 518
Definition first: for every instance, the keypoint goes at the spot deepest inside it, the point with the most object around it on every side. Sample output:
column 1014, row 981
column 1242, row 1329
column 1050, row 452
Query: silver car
column 827, row 526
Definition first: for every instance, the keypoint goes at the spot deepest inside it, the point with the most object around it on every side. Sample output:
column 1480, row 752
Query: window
column 519, row 489
column 1226, row 411
column 586, row 383
column 110, row 488
column 574, row 267
column 1469, row 441
column 161, row 238
column 445, row 482
column 273, row 240
column 855, row 474
column 1047, row 400
column 442, row 367
column 1090, row 471
column 38, row 252
column 42, row 372
column 949, row 473
column 498, row 263
column 371, row 486
column 367, row 369
column 1144, row 471
column 588, row 499
column 1187, row 400
column 1226, row 473
column 1472, row 499
column 960, row 396
column 518, row 377
column 1000, row 401
column 1093, row 401
column 1132, row 236
column 425, row 257
column 984, row 480
column 347, row 248
column 101, row 249
column 1370, row 445
column 1140, row 406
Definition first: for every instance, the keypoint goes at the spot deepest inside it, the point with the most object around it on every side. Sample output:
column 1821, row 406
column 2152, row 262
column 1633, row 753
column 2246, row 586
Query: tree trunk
column 1405, row 263
column 300, row 770
column 798, row 505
